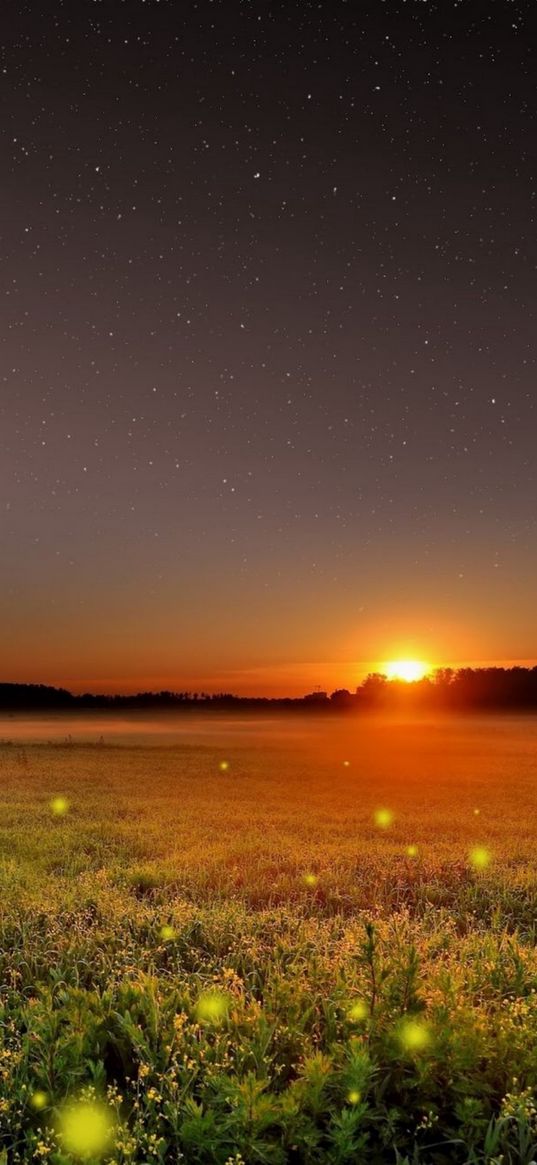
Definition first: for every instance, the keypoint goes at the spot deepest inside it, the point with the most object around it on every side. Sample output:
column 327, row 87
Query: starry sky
column 267, row 401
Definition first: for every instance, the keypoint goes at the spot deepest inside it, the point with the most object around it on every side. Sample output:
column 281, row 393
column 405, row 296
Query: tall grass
column 239, row 965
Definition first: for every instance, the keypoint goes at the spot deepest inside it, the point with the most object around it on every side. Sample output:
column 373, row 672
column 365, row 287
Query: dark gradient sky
column 268, row 400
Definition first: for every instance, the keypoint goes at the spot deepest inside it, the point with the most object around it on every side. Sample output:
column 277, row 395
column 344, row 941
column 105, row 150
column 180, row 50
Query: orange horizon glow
column 270, row 681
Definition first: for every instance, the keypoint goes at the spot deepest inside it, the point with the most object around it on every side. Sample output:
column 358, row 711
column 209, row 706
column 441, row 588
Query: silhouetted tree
column 466, row 689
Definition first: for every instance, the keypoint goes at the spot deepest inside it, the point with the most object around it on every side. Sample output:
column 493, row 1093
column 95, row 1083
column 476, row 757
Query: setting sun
column 408, row 670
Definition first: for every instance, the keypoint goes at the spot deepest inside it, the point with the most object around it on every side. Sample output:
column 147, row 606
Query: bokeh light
column 480, row 857
column 358, row 1012
column 414, row 1035
column 86, row 1129
column 59, row 806
column 212, row 1007
column 39, row 1099
column 383, row 818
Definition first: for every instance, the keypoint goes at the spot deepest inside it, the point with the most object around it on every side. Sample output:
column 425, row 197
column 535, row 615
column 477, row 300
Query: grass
column 247, row 964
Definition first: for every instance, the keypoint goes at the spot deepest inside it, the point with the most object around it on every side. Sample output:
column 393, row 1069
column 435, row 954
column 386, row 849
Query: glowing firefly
column 86, row 1129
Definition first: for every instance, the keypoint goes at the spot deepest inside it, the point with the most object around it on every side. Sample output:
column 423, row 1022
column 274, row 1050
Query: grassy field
column 311, row 943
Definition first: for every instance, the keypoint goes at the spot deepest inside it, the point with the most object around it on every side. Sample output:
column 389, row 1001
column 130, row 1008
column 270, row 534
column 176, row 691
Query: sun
column 408, row 670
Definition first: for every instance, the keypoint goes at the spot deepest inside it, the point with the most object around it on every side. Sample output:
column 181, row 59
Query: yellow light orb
column 408, row 670
column 358, row 1012
column 167, row 933
column 223, row 766
column 480, row 857
column 310, row 880
column 86, row 1129
column 412, row 851
column 383, row 818
column 39, row 1099
column 212, row 1007
column 346, row 764
column 59, row 806
column 353, row 1096
column 414, row 1035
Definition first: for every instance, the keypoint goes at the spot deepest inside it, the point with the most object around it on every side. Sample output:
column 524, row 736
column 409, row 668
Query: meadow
column 259, row 943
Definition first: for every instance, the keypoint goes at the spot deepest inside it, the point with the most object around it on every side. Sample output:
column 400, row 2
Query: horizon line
column 284, row 680
column 202, row 693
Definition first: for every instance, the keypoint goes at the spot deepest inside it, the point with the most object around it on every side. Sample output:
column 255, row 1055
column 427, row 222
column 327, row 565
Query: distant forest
column 462, row 689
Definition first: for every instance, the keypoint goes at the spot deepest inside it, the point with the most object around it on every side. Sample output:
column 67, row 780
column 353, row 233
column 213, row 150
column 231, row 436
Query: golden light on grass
column 412, row 851
column 480, row 857
column 408, row 670
column 224, row 766
column 353, row 1096
column 167, row 933
column 212, row 1007
column 59, row 806
column 86, row 1129
column 383, row 818
column 310, row 880
column 414, row 1035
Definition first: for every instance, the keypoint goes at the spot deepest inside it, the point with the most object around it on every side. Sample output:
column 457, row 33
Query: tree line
column 458, row 689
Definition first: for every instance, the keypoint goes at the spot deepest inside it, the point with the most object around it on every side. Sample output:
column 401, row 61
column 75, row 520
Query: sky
column 267, row 399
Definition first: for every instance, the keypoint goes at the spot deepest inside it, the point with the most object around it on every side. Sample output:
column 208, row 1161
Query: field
column 299, row 942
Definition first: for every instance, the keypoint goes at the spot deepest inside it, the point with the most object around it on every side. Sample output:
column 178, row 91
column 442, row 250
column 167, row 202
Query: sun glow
column 408, row 670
